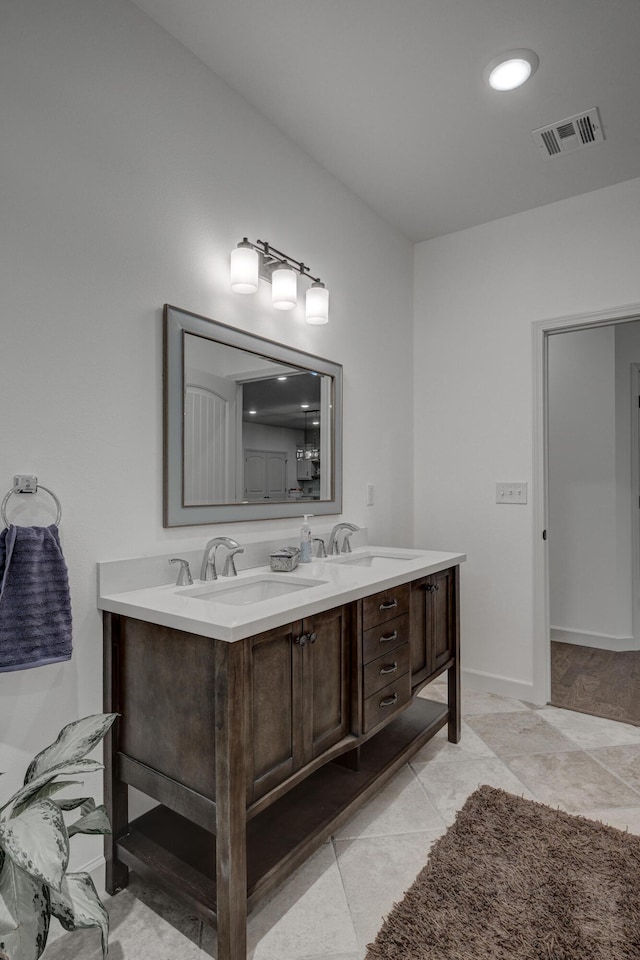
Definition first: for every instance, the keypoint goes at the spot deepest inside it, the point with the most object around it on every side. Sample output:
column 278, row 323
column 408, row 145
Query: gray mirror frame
column 177, row 322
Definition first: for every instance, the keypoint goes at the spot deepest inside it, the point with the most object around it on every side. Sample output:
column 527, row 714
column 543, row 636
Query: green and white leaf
column 37, row 842
column 30, row 790
column 47, row 790
column 74, row 741
column 72, row 803
column 24, row 913
column 94, row 821
column 77, row 904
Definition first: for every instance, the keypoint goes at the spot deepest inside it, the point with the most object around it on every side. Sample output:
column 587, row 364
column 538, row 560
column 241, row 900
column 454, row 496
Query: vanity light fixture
column 511, row 69
column 252, row 261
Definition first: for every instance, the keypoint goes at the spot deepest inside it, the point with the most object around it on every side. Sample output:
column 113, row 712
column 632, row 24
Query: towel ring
column 20, row 489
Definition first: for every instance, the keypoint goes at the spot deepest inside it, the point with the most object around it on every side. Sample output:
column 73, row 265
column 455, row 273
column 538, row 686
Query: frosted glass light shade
column 284, row 292
column 317, row 305
column 511, row 70
column 245, row 264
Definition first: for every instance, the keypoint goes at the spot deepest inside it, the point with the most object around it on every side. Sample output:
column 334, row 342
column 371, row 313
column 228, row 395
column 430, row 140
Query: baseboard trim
column 586, row 638
column 502, row 686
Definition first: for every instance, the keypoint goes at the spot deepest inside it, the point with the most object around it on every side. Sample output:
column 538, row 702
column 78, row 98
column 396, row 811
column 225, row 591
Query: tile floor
column 333, row 906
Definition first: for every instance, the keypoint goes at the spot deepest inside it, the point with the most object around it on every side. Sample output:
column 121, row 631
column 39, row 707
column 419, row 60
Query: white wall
column 129, row 171
column 628, row 472
column 477, row 293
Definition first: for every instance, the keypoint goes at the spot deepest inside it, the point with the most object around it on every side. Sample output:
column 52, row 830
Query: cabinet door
column 325, row 681
column 433, row 623
column 441, row 630
column 274, row 708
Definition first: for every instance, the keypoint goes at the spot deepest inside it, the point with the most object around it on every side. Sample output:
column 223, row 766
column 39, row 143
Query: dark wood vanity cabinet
column 297, row 696
column 235, row 740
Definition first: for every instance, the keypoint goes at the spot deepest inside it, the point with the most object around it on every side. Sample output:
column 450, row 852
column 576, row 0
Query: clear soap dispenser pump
column 305, row 540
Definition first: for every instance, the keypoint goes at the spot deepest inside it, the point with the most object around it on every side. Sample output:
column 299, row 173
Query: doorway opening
column 587, row 512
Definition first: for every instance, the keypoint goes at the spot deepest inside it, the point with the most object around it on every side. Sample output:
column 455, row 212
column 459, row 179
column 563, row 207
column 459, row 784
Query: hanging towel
column 35, row 604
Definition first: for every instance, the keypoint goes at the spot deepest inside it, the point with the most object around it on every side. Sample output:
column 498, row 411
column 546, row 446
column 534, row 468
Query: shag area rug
column 516, row 880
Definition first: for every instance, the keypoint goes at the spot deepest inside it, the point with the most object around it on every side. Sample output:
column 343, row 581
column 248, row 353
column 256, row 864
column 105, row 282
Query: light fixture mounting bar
column 271, row 258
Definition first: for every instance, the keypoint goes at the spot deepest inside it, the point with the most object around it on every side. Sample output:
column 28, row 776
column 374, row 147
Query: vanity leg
column 453, row 673
column 116, row 795
column 231, row 822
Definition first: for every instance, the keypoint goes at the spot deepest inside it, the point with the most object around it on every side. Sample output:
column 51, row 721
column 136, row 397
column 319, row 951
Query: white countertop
column 343, row 582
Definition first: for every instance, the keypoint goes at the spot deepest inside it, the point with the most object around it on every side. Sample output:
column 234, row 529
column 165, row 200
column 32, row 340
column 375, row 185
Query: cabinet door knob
column 388, row 637
column 301, row 640
column 390, row 669
column 313, row 637
column 389, row 701
column 389, row 605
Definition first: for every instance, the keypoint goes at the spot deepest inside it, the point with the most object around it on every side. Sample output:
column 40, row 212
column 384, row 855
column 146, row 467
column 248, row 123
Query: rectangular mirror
column 252, row 428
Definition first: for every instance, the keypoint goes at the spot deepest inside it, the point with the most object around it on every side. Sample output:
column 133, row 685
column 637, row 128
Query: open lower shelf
column 179, row 855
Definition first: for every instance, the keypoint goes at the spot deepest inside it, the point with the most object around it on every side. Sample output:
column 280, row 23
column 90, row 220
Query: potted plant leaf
column 34, row 846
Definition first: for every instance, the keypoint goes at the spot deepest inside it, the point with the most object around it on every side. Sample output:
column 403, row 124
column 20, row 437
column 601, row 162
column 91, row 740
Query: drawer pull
column 389, row 701
column 389, row 637
column 390, row 669
column 388, row 606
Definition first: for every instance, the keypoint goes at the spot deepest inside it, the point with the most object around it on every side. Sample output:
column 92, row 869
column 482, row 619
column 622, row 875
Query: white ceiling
column 388, row 95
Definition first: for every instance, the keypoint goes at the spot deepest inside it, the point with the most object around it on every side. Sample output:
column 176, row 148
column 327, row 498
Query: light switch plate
column 371, row 493
column 511, row 492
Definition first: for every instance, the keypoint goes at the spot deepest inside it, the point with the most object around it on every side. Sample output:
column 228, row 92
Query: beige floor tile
column 400, row 807
column 307, row 917
column 439, row 749
column 572, row 781
column 475, row 702
column 376, row 872
column 137, row 932
column 512, row 734
column 449, row 784
column 624, row 761
column 587, row 731
column 623, row 818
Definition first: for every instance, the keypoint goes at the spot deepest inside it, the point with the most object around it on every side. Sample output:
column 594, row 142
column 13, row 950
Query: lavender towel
column 35, row 604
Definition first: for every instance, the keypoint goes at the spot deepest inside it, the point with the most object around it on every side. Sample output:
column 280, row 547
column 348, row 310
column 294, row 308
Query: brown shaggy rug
column 516, row 880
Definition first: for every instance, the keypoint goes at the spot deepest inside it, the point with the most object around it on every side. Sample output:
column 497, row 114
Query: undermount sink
column 375, row 558
column 250, row 590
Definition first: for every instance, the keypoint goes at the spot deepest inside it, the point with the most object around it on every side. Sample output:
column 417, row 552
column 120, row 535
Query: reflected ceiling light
column 252, row 261
column 511, row 69
column 305, row 406
column 253, row 411
column 282, row 378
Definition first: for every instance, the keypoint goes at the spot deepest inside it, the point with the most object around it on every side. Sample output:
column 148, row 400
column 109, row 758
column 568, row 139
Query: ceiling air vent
column 570, row 134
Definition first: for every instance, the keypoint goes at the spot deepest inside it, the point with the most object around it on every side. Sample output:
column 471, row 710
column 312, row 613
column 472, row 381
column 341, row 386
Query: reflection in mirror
column 252, row 428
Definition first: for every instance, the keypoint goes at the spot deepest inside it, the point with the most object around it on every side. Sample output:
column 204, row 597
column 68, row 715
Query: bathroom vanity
column 260, row 725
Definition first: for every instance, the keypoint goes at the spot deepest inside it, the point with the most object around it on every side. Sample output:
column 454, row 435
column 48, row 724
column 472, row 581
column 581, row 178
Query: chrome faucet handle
column 346, row 542
column 184, row 573
column 321, row 551
column 229, row 569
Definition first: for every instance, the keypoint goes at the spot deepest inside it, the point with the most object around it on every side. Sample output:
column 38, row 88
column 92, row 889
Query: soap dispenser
column 305, row 540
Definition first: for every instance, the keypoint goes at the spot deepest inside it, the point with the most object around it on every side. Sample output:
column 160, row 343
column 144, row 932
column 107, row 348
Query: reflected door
column 265, row 473
column 210, row 442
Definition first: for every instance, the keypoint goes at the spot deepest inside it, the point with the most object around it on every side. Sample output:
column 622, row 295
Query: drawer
column 383, row 704
column 385, row 605
column 386, row 637
column 390, row 666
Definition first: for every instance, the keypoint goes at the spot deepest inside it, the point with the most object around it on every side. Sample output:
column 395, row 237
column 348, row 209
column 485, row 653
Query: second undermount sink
column 375, row 558
column 250, row 589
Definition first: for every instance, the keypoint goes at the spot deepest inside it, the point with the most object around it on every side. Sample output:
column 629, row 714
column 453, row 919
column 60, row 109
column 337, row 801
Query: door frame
column 541, row 331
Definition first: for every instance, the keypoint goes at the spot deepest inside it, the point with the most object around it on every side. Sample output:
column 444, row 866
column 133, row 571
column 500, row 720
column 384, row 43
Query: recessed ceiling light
column 305, row 406
column 511, row 69
column 253, row 411
column 282, row 378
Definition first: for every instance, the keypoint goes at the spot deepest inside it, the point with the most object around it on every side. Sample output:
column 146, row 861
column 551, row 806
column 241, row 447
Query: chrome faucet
column 208, row 569
column 229, row 569
column 333, row 549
